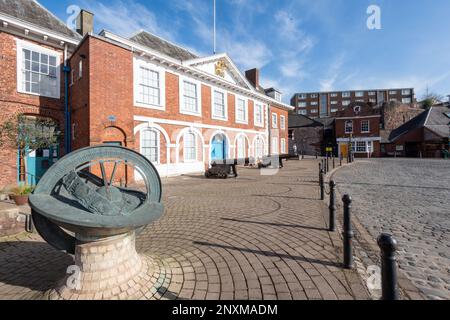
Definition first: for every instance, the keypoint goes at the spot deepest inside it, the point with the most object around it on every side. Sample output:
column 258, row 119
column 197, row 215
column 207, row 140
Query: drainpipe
column 67, row 128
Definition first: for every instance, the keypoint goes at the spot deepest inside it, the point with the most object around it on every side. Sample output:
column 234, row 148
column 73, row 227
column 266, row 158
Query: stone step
column 12, row 220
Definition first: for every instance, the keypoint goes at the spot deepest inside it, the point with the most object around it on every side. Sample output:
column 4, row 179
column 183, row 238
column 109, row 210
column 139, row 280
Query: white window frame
column 80, row 69
column 314, row 96
column 345, row 126
column 282, row 122
column 406, row 92
column 262, row 106
column 359, row 94
column 302, row 104
column 158, row 144
column 346, row 94
column 275, row 147
column 240, row 142
column 260, row 140
column 225, row 101
column 283, row 146
column 393, row 92
column 138, row 63
column 333, row 102
column 195, row 147
column 302, row 112
column 406, row 100
column 237, row 98
column 274, row 123
column 20, row 46
column 372, row 93
column 302, row 96
column 346, row 103
column 198, row 84
column 313, row 111
column 333, row 95
column 362, row 126
column 314, row 103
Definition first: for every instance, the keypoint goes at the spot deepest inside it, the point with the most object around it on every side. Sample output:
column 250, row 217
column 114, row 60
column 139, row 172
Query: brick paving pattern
column 411, row 200
column 254, row 237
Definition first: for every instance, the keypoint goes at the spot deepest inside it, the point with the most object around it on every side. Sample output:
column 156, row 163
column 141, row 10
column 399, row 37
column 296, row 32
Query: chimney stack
column 85, row 22
column 253, row 76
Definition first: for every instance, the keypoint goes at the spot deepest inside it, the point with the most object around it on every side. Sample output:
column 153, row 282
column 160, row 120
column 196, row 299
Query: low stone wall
column 11, row 220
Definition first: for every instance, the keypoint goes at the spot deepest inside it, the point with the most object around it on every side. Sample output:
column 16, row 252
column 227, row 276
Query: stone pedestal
column 107, row 268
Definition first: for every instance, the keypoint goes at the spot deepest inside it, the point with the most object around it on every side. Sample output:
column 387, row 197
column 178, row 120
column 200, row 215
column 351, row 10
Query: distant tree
column 430, row 99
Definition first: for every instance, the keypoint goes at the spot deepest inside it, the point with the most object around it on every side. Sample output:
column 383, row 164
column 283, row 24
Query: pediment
column 220, row 66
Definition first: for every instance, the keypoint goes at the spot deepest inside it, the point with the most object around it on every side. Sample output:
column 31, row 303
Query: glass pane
column 35, row 87
column 52, row 71
column 35, row 66
column 27, row 54
column 44, row 58
column 35, row 56
column 44, row 68
column 27, row 65
column 52, row 61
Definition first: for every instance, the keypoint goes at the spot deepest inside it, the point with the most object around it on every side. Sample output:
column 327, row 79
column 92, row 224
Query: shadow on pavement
column 276, row 224
column 33, row 265
column 271, row 254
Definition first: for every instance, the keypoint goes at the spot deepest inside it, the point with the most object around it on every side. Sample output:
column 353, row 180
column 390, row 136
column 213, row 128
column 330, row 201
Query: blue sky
column 299, row 45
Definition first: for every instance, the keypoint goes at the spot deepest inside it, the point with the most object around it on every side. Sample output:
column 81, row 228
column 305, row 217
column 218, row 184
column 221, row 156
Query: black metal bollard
column 348, row 233
column 340, row 160
column 328, row 163
column 317, row 155
column 334, row 163
column 332, row 206
column 322, row 185
column 320, row 170
column 388, row 246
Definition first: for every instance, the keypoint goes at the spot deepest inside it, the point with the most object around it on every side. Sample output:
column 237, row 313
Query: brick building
column 359, row 125
column 33, row 47
column 328, row 104
column 179, row 110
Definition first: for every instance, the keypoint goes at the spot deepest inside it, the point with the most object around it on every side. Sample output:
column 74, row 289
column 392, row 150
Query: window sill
column 149, row 106
column 39, row 95
column 191, row 113
column 241, row 122
column 219, row 118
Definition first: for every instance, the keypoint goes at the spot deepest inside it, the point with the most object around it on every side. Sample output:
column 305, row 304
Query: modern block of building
column 179, row 110
column 358, row 127
column 328, row 104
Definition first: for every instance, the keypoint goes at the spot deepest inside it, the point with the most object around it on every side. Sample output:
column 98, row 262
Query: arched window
column 190, row 147
column 241, row 147
column 150, row 145
column 259, row 148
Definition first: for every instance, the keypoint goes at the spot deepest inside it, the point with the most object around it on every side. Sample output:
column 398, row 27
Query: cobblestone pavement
column 254, row 237
column 409, row 199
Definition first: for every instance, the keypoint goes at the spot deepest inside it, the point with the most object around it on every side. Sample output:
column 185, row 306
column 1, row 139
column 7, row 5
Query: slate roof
column 299, row 121
column 33, row 12
column 434, row 119
column 156, row 43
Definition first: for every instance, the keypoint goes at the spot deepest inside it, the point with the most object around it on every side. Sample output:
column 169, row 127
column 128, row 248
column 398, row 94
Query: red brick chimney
column 253, row 76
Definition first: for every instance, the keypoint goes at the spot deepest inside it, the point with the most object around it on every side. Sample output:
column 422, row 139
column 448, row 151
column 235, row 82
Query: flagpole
column 214, row 32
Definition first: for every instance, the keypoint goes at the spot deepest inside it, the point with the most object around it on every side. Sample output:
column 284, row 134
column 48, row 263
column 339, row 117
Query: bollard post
column 347, row 233
column 320, row 170
column 332, row 206
column 334, row 163
column 388, row 246
column 322, row 185
column 317, row 155
column 328, row 162
column 340, row 160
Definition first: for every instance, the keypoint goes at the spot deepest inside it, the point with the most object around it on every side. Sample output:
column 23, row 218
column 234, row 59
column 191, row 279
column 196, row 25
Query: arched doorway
column 219, row 147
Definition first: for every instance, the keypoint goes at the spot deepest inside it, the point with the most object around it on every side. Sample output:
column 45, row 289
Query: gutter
column 67, row 127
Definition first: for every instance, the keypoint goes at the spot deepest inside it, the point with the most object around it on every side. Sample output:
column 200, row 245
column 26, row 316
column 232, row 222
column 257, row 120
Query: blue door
column 38, row 162
column 218, row 151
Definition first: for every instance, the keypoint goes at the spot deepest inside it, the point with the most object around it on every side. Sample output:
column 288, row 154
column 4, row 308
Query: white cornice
column 14, row 22
column 179, row 66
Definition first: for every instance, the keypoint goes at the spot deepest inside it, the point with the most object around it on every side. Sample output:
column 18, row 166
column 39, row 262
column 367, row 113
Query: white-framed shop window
column 241, row 147
column 282, row 122
column 190, row 96
column 275, row 149
column 149, row 85
column 274, row 121
column 349, row 126
column 365, row 126
column 283, row 146
column 38, row 70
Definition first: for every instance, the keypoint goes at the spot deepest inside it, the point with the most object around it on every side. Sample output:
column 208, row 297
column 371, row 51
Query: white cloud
column 328, row 83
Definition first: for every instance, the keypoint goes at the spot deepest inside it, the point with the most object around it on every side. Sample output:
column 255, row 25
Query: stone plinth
column 107, row 268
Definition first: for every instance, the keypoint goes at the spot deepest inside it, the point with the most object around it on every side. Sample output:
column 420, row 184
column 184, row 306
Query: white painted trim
column 254, row 145
column 274, row 123
column 283, row 123
column 196, row 148
column 368, row 126
column 158, row 137
column 139, row 62
column 181, row 80
column 358, row 139
column 283, row 146
column 11, row 21
column 263, row 114
column 150, row 125
column 236, row 143
column 225, row 97
column 20, row 45
column 181, row 134
column 358, row 117
column 236, row 98
column 193, row 124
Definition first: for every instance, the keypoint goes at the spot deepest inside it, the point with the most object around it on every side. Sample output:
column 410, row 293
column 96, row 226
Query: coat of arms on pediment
column 220, row 68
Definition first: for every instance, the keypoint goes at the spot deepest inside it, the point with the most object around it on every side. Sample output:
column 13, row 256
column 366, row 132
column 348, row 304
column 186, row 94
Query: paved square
column 254, row 237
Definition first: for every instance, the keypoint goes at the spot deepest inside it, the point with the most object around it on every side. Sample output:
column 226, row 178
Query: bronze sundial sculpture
column 91, row 217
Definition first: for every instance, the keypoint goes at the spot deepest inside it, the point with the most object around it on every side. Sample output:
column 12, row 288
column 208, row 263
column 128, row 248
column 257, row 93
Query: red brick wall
column 13, row 103
column 374, row 127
